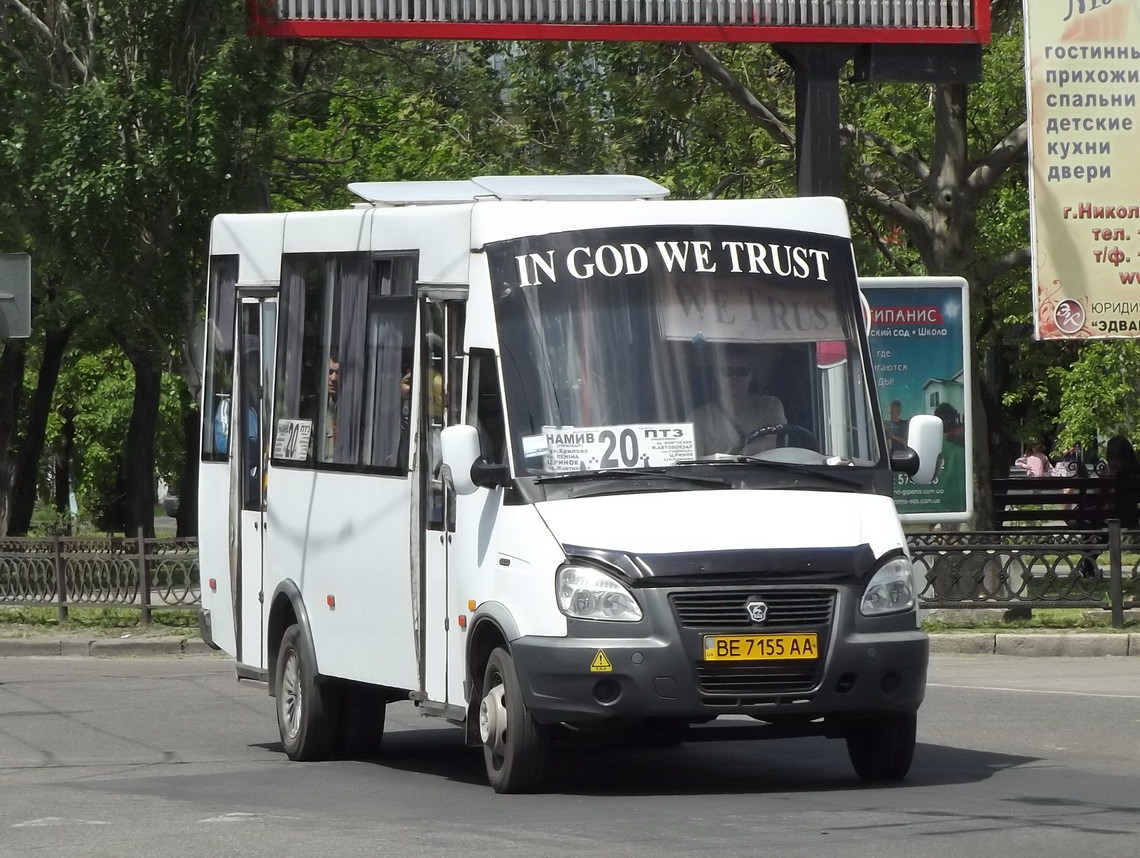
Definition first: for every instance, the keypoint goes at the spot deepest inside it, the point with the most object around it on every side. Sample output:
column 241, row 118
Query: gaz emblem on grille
column 757, row 611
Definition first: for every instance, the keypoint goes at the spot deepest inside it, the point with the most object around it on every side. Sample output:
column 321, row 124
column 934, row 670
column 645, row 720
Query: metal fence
column 1030, row 569
column 80, row 572
column 1003, row 569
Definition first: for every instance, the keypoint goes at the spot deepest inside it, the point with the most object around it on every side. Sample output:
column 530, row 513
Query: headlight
column 890, row 590
column 590, row 594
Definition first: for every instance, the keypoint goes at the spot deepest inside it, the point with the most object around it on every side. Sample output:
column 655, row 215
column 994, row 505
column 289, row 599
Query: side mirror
column 924, row 448
column 460, row 447
column 461, row 455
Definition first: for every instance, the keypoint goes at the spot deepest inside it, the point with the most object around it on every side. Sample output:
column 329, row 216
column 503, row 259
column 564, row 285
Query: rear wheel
column 306, row 708
column 882, row 748
column 515, row 748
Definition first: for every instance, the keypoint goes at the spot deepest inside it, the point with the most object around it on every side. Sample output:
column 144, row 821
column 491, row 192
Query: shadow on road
column 778, row 765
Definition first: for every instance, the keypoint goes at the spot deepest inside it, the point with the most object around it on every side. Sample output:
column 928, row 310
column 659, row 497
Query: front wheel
column 515, row 747
column 306, row 709
column 882, row 748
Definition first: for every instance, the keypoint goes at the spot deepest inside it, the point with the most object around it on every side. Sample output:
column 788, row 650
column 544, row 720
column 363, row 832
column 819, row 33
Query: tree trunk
column 11, row 394
column 188, row 485
column 954, row 227
column 139, row 453
column 953, row 217
column 25, row 482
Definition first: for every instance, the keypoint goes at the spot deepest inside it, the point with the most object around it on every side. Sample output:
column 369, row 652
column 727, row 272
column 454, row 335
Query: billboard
column 921, row 22
column 920, row 351
column 1083, row 74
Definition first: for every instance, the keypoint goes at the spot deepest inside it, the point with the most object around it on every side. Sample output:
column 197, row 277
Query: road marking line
column 238, row 816
column 50, row 821
column 1033, row 691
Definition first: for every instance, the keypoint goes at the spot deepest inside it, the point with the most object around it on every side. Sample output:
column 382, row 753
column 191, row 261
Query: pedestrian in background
column 1034, row 461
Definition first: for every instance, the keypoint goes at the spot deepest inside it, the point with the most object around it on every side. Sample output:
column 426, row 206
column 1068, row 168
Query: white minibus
column 560, row 461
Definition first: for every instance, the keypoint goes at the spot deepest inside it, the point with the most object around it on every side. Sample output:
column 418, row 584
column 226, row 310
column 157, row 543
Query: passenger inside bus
column 435, row 447
column 330, row 419
column 739, row 406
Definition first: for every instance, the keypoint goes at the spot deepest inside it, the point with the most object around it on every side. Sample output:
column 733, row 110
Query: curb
column 1075, row 645
column 1086, row 644
column 104, row 647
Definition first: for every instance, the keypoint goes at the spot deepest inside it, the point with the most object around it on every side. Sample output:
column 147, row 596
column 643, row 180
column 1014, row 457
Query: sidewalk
column 1015, row 643
column 93, row 645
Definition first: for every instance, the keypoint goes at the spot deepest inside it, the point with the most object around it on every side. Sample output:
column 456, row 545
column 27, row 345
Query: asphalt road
column 172, row 757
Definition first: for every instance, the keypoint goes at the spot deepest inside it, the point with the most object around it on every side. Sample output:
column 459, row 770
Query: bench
column 1044, row 503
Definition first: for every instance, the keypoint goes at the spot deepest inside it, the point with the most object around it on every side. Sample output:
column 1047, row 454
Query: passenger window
column 346, row 341
column 388, row 358
column 218, row 381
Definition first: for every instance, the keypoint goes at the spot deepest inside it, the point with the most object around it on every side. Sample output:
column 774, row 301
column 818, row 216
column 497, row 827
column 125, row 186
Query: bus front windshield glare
column 652, row 346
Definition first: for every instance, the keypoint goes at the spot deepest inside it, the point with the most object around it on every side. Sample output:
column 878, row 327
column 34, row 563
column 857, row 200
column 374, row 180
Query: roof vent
column 510, row 188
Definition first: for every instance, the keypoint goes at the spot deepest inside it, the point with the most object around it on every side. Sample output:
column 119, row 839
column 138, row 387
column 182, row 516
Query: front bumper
column 656, row 669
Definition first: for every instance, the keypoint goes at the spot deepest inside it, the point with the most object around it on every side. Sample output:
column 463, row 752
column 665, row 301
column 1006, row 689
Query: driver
column 722, row 424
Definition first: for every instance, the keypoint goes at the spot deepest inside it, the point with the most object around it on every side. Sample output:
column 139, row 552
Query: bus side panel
column 345, row 539
column 213, row 552
column 503, row 554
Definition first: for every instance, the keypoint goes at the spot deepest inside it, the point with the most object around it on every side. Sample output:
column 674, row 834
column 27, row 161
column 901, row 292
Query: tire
column 882, row 748
column 306, row 708
column 361, row 729
column 515, row 748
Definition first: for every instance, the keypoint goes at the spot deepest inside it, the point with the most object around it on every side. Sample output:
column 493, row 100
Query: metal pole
column 1115, row 573
column 144, row 579
column 819, row 158
column 60, row 578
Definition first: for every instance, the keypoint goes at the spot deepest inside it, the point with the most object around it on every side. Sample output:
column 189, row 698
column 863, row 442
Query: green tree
column 387, row 111
column 125, row 127
column 1100, row 396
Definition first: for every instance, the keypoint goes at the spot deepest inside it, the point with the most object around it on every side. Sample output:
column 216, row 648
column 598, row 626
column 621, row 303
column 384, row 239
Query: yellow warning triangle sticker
column 600, row 664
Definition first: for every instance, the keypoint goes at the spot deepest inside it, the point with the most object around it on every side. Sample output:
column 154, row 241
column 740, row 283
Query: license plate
column 761, row 647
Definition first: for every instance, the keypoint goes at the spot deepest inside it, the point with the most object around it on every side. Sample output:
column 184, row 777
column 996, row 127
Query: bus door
column 257, row 328
column 440, row 366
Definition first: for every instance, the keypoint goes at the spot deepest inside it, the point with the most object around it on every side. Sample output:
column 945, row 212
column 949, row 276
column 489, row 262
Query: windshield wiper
column 796, row 467
column 628, row 473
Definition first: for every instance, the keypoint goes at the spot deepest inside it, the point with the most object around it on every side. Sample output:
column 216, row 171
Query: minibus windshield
column 658, row 346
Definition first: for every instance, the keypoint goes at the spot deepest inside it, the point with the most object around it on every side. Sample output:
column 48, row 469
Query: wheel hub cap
column 493, row 720
column 290, row 692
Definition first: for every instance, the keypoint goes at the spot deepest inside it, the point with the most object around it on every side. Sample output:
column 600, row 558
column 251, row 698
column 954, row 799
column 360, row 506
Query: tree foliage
column 1100, row 396
column 124, row 127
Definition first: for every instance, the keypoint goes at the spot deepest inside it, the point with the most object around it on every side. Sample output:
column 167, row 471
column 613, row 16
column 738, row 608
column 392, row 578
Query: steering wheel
column 787, row 435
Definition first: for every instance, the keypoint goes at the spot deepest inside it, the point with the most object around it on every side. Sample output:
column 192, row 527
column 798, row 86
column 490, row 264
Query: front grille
column 742, row 684
column 718, row 610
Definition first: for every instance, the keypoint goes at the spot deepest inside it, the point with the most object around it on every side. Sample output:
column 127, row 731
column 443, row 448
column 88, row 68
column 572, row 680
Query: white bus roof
column 579, row 188
column 508, row 219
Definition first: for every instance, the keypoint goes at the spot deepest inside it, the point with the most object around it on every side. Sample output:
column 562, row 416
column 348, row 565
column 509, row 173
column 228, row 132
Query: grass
column 1041, row 619
column 103, row 622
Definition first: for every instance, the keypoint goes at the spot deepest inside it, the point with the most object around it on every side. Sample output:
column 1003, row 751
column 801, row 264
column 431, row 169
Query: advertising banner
column 920, row 349
column 1082, row 62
